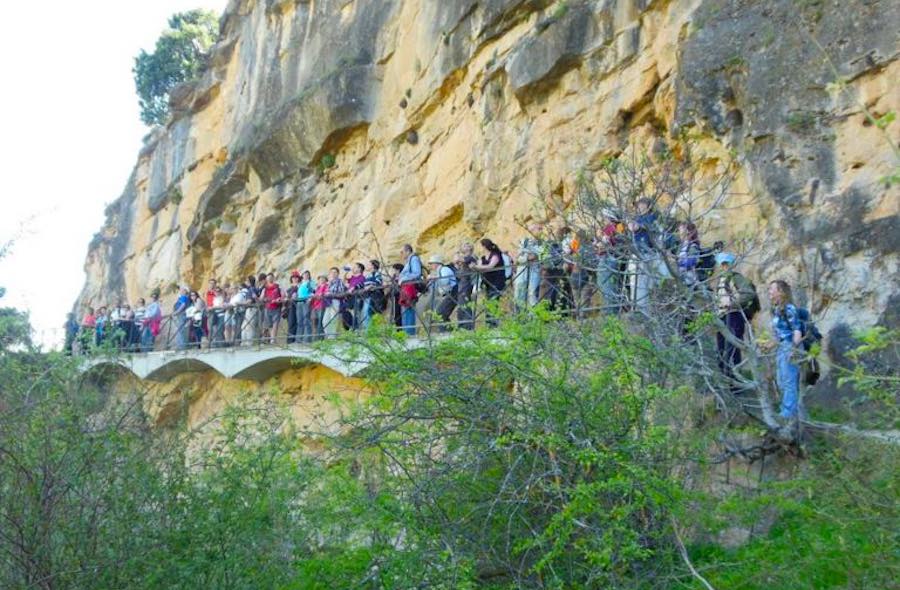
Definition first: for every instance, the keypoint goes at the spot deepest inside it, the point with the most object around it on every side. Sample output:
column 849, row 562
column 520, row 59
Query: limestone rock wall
column 328, row 131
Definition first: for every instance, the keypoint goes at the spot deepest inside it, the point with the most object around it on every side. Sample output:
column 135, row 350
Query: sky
column 70, row 133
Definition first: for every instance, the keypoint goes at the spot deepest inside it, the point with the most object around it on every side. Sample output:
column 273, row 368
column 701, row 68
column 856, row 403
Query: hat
column 725, row 258
column 436, row 259
column 296, row 274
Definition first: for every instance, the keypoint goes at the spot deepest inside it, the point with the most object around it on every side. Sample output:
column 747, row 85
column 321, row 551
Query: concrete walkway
column 257, row 364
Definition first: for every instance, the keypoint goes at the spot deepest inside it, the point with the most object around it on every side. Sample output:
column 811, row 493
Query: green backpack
column 747, row 296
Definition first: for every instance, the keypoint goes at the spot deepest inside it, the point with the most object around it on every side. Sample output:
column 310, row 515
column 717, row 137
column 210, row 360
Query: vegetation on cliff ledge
column 179, row 56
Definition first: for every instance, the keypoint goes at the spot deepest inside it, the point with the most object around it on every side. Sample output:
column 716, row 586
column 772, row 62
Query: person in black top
column 493, row 274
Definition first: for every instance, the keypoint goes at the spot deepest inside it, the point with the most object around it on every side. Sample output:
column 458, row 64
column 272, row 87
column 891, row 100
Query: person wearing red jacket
column 272, row 297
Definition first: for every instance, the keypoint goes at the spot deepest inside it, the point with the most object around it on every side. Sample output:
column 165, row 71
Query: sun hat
column 725, row 258
column 436, row 259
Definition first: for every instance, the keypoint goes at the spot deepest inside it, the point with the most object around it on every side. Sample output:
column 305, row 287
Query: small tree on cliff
column 178, row 57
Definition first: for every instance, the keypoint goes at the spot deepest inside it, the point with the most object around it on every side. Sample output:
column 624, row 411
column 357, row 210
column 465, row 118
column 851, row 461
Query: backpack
column 422, row 283
column 811, row 334
column 751, row 307
column 809, row 368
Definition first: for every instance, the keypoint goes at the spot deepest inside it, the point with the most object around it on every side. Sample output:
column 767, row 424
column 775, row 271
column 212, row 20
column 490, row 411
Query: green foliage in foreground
column 835, row 526
column 178, row 57
column 544, row 455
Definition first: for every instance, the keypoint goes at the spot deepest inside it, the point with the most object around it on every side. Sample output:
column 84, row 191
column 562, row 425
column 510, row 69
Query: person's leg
column 318, row 323
column 463, row 313
column 605, row 275
column 314, row 323
column 723, row 348
column 788, row 378
column 249, row 324
column 738, row 325
column 566, row 291
column 276, row 321
column 520, row 288
column 146, row 339
column 366, row 313
column 291, row 325
column 309, row 316
column 533, row 276
column 588, row 288
column 445, row 311
column 329, row 319
column 238, row 328
column 302, row 318
column 548, row 288
column 642, row 281
column 409, row 320
column 181, row 331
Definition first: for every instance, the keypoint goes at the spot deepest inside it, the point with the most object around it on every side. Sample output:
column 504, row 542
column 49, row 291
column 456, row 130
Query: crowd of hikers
column 620, row 265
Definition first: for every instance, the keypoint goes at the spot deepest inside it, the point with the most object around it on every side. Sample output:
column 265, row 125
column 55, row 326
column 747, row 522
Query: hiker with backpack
column 737, row 303
column 411, row 285
column 795, row 334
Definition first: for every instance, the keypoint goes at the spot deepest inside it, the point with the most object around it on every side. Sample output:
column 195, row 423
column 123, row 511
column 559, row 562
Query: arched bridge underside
column 233, row 363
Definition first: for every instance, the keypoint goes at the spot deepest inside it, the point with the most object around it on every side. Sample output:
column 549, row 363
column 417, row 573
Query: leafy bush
column 545, row 454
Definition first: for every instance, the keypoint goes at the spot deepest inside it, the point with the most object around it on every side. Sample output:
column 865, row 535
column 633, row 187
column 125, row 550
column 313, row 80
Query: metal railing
column 477, row 300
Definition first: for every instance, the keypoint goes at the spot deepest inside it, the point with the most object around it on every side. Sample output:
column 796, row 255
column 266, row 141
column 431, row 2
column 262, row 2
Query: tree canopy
column 178, row 57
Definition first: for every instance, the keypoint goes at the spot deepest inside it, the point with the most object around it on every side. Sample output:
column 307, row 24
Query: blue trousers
column 146, row 339
column 788, row 378
column 408, row 317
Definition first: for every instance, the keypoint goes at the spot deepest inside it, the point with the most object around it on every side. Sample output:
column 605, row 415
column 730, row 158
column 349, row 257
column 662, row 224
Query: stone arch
column 269, row 367
column 176, row 366
column 109, row 364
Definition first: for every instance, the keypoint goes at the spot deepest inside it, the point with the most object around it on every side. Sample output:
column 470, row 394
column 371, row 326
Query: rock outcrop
column 327, row 131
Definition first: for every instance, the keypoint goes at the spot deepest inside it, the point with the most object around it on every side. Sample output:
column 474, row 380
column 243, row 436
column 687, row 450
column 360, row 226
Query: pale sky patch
column 69, row 137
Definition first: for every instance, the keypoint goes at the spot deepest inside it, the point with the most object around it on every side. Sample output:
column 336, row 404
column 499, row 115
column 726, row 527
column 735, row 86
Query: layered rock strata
column 326, row 131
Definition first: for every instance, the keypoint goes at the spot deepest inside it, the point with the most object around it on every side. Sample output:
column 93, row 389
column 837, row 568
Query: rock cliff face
column 327, row 131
